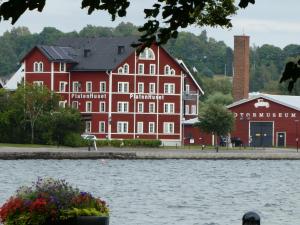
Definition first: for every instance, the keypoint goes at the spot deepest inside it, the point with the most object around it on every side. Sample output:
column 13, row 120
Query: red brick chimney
column 241, row 68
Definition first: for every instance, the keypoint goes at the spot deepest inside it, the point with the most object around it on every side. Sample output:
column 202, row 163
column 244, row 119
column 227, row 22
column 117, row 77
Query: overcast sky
column 268, row 21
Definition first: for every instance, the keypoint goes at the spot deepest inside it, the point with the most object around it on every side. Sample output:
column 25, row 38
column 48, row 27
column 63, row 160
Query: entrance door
column 261, row 134
column 281, row 139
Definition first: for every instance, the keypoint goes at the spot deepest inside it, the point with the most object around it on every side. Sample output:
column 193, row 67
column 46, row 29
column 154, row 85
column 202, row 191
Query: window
column 151, row 107
column 101, row 127
column 38, row 83
column 126, row 69
column 101, row 106
column 168, row 128
column 187, row 88
column 151, row 127
column 147, row 54
column 62, row 86
column 140, row 107
column 187, row 109
column 169, row 88
column 122, row 106
column 167, row 70
column 62, row 67
column 88, row 86
column 168, row 107
column 88, row 126
column 140, row 87
column 76, row 86
column 62, row 104
column 172, row 72
column 152, row 88
column 123, row 87
column 194, row 110
column 75, row 104
column 38, row 67
column 140, row 127
column 120, row 70
column 122, row 127
column 102, row 86
column 152, row 69
column 141, row 68
column 88, row 106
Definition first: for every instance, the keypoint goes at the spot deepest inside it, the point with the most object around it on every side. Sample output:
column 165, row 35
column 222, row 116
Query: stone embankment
column 11, row 153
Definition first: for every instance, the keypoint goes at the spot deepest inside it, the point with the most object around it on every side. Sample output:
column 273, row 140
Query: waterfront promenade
column 11, row 153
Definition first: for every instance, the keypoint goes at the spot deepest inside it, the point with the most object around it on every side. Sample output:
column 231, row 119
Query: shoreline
column 17, row 153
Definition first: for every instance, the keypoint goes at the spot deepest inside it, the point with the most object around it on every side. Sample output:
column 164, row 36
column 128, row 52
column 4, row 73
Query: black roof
column 94, row 54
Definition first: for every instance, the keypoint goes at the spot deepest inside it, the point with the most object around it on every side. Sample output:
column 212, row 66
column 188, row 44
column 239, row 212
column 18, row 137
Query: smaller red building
column 265, row 120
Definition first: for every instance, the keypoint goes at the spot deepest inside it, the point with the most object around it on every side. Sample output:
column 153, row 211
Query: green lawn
column 25, row 145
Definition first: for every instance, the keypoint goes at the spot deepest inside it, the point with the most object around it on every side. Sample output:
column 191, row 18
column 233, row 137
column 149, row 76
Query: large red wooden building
column 120, row 94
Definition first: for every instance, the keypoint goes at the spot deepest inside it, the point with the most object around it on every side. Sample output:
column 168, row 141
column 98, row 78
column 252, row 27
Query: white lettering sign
column 247, row 115
column 261, row 103
column 149, row 97
column 88, row 96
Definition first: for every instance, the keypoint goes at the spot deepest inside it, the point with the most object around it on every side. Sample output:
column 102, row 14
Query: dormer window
column 147, row 54
column 38, row 67
column 172, row 72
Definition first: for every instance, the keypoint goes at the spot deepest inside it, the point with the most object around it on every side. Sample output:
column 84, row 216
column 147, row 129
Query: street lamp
column 297, row 139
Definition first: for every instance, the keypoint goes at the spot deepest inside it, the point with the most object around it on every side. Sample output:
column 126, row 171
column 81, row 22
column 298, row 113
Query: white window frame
column 120, row 70
column 152, row 88
column 187, row 88
column 41, row 67
column 141, row 68
column 151, row 124
column 62, row 104
column 88, row 126
column 152, row 69
column 167, row 70
column 102, row 106
column 38, row 83
column 187, row 109
column 63, row 86
column 123, row 87
column 89, row 86
column 169, row 88
column 75, row 86
column 62, row 67
column 147, row 54
column 169, row 107
column 169, row 127
column 152, row 107
column 122, row 127
column 140, row 107
column 38, row 66
column 123, row 106
column 172, row 72
column 101, row 128
column 140, row 87
column 140, row 127
column 102, row 87
column 194, row 110
column 75, row 104
column 88, row 106
column 126, row 68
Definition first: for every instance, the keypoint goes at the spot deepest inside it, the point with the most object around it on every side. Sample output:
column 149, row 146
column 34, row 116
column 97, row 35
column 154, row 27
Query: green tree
column 215, row 119
column 34, row 100
column 219, row 98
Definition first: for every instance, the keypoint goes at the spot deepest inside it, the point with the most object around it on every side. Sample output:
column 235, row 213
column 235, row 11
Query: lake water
column 169, row 192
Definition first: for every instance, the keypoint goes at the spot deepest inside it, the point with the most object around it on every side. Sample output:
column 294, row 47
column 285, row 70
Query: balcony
column 191, row 95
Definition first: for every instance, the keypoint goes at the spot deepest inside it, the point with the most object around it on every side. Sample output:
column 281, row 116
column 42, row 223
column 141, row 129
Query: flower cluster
column 49, row 200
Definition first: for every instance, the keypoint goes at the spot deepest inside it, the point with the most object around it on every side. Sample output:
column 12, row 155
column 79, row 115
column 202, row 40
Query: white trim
column 102, row 103
column 101, row 132
column 109, row 104
column 100, row 89
column 126, row 65
column 142, row 87
column 154, row 68
column 142, row 67
column 87, row 84
column 154, row 128
column 52, row 77
column 86, row 106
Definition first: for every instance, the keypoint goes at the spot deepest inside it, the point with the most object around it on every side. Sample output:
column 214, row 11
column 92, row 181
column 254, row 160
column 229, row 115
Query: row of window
column 122, row 127
column 123, row 106
column 39, row 67
column 141, row 69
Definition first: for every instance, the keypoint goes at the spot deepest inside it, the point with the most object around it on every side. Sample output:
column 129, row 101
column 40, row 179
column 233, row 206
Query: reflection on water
column 169, row 192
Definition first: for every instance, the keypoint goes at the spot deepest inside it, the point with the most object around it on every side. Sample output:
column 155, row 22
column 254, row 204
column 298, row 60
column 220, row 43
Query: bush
column 75, row 140
column 132, row 142
column 102, row 143
column 116, row 143
column 151, row 143
column 142, row 143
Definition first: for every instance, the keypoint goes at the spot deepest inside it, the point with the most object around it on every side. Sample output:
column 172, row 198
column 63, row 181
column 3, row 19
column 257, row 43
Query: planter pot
column 84, row 220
